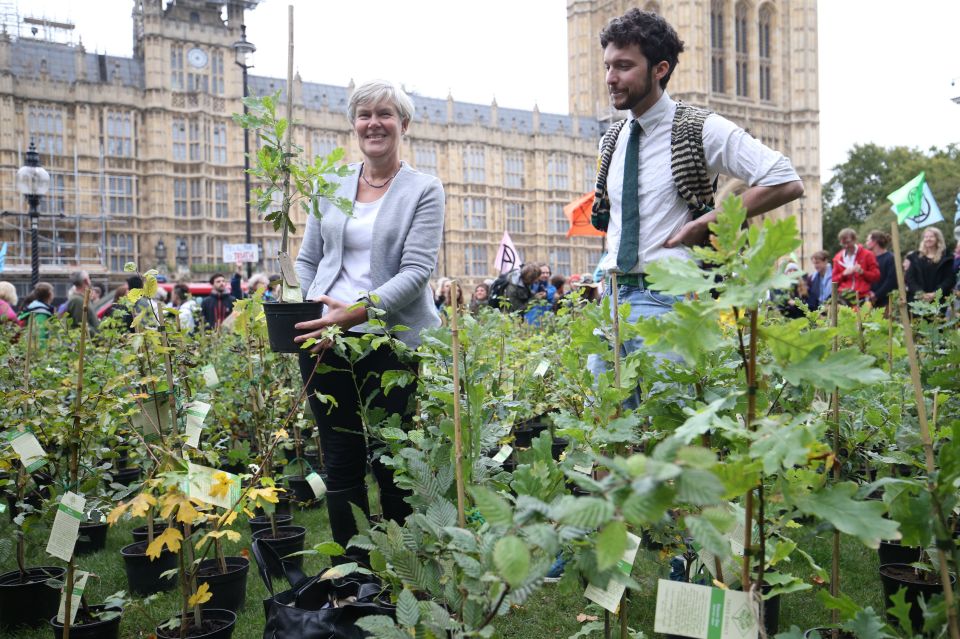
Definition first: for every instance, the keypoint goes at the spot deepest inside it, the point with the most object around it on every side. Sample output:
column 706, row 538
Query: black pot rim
column 300, row 530
column 231, row 569
column 953, row 578
column 33, row 571
column 115, row 620
column 214, row 613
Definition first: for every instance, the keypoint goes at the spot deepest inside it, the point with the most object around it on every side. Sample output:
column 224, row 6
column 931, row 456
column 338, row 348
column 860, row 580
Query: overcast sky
column 886, row 66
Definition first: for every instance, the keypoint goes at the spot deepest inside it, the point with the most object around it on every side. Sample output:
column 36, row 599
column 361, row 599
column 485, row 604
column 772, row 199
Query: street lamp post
column 161, row 251
column 33, row 182
column 244, row 50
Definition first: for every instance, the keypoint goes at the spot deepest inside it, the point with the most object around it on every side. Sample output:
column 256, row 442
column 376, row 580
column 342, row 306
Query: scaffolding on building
column 72, row 232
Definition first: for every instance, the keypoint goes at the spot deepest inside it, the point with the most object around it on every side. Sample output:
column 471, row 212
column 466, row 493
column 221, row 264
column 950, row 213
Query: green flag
column 908, row 199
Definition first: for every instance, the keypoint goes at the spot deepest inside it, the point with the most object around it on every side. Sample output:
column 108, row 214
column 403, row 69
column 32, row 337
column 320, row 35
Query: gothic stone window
column 45, row 128
column 718, row 59
column 743, row 50
column 763, row 37
column 474, row 165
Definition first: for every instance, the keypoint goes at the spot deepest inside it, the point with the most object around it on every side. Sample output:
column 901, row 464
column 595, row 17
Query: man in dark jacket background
column 217, row 306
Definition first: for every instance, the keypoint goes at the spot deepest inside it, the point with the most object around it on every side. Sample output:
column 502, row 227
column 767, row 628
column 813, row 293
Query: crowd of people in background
column 866, row 273
column 530, row 291
column 863, row 272
column 213, row 310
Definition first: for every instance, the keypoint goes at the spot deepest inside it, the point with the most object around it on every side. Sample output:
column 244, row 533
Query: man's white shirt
column 728, row 149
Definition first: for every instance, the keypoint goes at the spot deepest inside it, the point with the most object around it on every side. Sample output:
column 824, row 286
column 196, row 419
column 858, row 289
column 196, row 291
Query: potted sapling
column 288, row 181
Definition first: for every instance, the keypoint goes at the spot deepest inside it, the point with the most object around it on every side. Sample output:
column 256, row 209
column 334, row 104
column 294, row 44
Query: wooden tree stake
column 74, row 462
column 457, row 427
column 835, row 413
column 924, row 428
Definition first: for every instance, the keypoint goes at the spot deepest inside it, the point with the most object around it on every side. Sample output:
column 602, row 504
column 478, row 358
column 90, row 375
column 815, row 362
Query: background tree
column 856, row 195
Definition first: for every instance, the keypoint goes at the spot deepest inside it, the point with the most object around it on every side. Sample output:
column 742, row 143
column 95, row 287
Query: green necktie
column 630, row 206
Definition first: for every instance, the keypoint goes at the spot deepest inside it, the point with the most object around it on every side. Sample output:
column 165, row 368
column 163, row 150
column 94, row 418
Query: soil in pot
column 217, row 624
column 263, row 522
column 229, row 589
column 289, row 540
column 89, row 626
column 917, row 583
column 93, row 537
column 143, row 574
column 281, row 319
column 893, row 552
column 29, row 602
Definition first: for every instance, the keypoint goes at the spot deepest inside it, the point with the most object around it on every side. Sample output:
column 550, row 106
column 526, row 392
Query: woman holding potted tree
column 380, row 256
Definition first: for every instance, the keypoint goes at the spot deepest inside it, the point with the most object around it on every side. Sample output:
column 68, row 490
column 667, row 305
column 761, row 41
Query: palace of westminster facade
column 147, row 164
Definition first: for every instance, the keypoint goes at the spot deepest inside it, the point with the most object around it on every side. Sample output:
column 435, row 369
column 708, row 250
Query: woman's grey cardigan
column 406, row 243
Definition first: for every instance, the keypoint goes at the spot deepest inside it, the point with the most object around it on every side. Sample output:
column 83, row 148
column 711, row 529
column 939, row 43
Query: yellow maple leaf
column 221, row 485
column 202, row 595
column 280, row 434
column 226, row 519
column 117, row 512
column 170, row 538
column 141, row 504
column 186, row 513
column 266, row 494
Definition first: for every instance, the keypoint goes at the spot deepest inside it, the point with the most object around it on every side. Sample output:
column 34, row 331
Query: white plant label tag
column 502, row 455
column 287, row 271
column 316, row 485
column 609, row 598
column 212, row 486
column 586, row 470
column 27, row 447
column 66, row 526
column 703, row 612
column 196, row 412
column 541, row 368
column 210, row 377
column 79, row 583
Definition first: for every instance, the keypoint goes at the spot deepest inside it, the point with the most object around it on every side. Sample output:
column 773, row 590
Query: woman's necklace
column 377, row 186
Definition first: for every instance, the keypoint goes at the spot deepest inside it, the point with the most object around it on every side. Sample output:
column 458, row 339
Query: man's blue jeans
column 643, row 303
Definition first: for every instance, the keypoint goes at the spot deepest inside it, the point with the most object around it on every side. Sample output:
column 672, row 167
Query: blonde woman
column 931, row 269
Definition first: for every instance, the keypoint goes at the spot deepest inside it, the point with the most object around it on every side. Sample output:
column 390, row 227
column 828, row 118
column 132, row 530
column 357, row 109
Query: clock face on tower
column 197, row 58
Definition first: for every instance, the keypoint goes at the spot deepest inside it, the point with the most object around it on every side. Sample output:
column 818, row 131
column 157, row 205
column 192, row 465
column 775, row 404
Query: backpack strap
column 600, row 214
column 688, row 161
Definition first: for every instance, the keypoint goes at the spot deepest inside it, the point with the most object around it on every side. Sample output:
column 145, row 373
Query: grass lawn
column 551, row 614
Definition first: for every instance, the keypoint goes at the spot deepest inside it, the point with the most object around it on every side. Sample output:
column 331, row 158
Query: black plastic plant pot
column 217, row 624
column 263, row 522
column 289, row 540
column 126, row 476
column 95, row 629
column 558, row 446
column 93, row 537
column 228, row 589
column 917, row 583
column 140, row 532
column 301, row 490
column 143, row 574
column 826, row 633
column 893, row 552
column 281, row 319
column 526, row 431
column 31, row 601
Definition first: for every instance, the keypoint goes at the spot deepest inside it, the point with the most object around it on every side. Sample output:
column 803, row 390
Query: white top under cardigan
column 353, row 282
column 728, row 149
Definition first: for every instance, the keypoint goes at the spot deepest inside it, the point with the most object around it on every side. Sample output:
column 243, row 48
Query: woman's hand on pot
column 338, row 313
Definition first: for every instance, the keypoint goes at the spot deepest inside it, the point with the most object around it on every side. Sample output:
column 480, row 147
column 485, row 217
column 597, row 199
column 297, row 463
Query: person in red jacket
column 854, row 267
